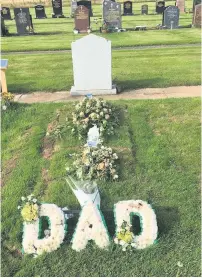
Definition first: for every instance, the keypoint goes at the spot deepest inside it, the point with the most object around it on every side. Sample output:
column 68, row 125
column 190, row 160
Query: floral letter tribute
column 91, row 226
column 124, row 211
column 32, row 244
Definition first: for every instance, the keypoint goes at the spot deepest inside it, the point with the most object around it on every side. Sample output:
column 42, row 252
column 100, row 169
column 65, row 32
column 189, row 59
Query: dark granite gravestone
column 57, row 8
column 144, row 9
column 181, row 5
column 160, row 7
column 86, row 4
column 23, row 21
column 4, row 30
column 73, row 7
column 171, row 17
column 112, row 14
column 82, row 19
column 40, row 12
column 5, row 13
column 128, row 8
column 197, row 16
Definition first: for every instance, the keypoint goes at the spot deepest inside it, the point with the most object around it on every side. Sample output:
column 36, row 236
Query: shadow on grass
column 138, row 84
column 167, row 217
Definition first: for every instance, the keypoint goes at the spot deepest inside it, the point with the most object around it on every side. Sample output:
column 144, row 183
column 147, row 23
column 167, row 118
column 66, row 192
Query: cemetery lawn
column 131, row 69
column 158, row 143
column 63, row 41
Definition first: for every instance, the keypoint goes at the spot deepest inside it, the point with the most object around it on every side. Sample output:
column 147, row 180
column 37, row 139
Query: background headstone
column 57, row 8
column 6, row 13
column 144, row 9
column 128, row 8
column 181, row 5
column 4, row 30
column 196, row 2
column 23, row 21
column 197, row 16
column 82, row 19
column 73, row 7
column 171, row 17
column 92, row 67
column 40, row 12
column 86, row 4
column 160, row 7
column 112, row 13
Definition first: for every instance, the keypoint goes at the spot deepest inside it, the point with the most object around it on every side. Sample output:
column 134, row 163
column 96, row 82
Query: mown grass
column 131, row 69
column 57, row 34
column 159, row 146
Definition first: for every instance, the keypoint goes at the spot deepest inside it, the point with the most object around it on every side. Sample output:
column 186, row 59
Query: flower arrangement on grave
column 124, row 210
column 32, row 212
column 6, row 99
column 95, row 163
column 107, row 28
column 29, row 208
column 124, row 236
column 93, row 111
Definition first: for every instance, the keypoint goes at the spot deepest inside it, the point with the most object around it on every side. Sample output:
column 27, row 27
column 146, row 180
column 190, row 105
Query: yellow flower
column 30, row 212
column 7, row 96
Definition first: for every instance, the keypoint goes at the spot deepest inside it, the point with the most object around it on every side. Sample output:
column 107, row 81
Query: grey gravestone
column 40, row 12
column 5, row 13
column 86, row 4
column 196, row 2
column 144, row 9
column 57, row 8
column 181, row 5
column 160, row 7
column 171, row 17
column 82, row 19
column 197, row 16
column 73, row 7
column 23, row 21
column 128, row 8
column 112, row 14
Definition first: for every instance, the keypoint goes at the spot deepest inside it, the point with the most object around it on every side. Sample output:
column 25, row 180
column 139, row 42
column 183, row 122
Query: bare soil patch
column 8, row 168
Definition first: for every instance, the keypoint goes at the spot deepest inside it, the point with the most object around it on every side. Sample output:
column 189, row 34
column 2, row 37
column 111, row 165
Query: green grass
column 160, row 164
column 131, row 69
column 57, row 34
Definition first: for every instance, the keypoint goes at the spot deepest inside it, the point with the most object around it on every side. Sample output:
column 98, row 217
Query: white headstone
column 91, row 57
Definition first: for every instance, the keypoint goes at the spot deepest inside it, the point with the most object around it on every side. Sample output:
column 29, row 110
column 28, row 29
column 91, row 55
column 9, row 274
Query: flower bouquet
column 6, row 99
column 124, row 236
column 95, row 163
column 29, row 208
column 90, row 112
column 84, row 191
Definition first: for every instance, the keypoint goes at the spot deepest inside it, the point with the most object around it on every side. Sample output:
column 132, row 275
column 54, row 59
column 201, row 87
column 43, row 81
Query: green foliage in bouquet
column 98, row 163
column 89, row 112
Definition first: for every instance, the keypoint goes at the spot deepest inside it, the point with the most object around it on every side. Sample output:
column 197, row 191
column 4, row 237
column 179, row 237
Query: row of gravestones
column 57, row 8
column 111, row 16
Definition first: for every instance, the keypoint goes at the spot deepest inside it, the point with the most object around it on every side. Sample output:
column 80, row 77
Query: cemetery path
column 148, row 93
column 142, row 47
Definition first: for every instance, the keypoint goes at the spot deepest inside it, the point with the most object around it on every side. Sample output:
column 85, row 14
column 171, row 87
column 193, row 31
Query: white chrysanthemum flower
column 116, row 240
column 23, row 198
